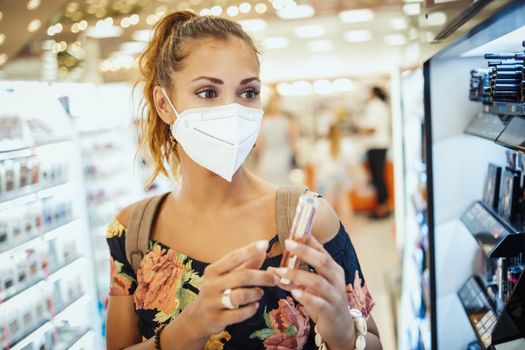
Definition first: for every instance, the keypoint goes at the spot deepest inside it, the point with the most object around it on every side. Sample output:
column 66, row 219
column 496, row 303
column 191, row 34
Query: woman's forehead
column 221, row 58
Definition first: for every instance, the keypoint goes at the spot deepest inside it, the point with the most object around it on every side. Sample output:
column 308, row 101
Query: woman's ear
column 163, row 106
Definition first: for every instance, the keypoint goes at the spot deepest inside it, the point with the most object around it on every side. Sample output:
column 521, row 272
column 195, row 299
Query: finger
column 244, row 278
column 238, row 257
column 313, row 304
column 254, row 263
column 241, row 314
column 243, row 296
column 314, row 243
column 312, row 282
column 280, row 283
column 322, row 262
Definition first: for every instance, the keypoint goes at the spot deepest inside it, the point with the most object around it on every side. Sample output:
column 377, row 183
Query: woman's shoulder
column 326, row 224
column 119, row 225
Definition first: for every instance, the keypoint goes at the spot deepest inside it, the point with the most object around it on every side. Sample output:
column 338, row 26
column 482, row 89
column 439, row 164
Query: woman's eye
column 250, row 94
column 207, row 94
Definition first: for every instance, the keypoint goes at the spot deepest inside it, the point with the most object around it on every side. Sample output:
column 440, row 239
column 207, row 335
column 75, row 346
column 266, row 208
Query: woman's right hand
column 238, row 270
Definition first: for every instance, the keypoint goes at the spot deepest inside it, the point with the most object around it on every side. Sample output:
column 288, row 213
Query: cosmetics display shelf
column 47, row 284
column 48, row 326
column 495, row 236
column 479, row 309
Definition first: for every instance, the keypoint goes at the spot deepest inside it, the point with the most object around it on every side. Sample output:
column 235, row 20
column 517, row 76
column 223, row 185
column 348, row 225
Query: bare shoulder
column 326, row 222
column 124, row 215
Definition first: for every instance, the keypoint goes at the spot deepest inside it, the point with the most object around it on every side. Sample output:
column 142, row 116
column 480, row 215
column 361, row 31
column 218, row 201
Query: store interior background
column 68, row 68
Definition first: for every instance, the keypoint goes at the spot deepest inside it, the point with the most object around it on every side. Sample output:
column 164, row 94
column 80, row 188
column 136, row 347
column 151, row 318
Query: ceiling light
column 74, row 28
column 245, row 7
column 3, row 59
column 398, row 23
column 132, row 47
column 253, row 25
column 161, row 11
column 62, row 46
column 282, row 4
column 134, row 19
column 261, row 8
column 412, row 9
column 143, row 35
column 152, row 19
column 216, row 10
column 72, row 7
column 51, row 31
column 356, row 36
column 232, row 11
column 34, row 25
column 302, row 87
column 320, row 45
column 205, row 12
column 433, row 20
column 323, row 87
column 285, row 89
column 356, row 16
column 108, row 21
column 58, row 28
column 295, row 12
column 33, row 4
column 48, row 44
column 83, row 24
column 276, row 42
column 343, row 85
column 124, row 22
column 103, row 30
column 310, row 31
column 395, row 39
column 2, row 38
column 428, row 36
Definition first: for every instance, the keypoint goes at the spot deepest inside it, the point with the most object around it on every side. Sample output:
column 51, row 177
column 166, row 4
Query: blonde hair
column 163, row 56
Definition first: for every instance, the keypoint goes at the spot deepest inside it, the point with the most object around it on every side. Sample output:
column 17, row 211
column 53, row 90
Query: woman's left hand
column 322, row 293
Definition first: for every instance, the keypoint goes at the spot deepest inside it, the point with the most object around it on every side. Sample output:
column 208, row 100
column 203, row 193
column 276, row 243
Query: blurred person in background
column 375, row 124
column 332, row 163
column 276, row 147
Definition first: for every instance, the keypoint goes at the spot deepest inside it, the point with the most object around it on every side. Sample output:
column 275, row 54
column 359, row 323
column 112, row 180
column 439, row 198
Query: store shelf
column 41, row 283
column 30, row 194
column 486, row 125
column 505, row 108
column 495, row 236
column 81, row 341
column 62, row 313
column 25, row 340
column 48, row 236
column 15, row 153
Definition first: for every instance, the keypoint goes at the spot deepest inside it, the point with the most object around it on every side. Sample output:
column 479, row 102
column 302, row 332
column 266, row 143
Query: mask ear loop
column 173, row 141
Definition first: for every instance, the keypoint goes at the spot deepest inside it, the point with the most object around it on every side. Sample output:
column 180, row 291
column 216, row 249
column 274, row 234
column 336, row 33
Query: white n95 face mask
column 217, row 138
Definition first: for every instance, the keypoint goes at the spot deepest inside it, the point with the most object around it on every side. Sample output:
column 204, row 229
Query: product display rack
column 475, row 250
column 415, row 311
column 46, row 279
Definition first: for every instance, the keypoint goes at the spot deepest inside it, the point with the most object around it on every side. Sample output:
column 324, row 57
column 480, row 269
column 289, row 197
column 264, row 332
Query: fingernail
column 290, row 244
column 281, row 271
column 262, row 245
column 297, row 293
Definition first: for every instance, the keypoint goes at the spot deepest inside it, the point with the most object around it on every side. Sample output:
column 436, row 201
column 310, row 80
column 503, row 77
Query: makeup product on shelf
column 502, row 283
column 509, row 196
column 492, row 186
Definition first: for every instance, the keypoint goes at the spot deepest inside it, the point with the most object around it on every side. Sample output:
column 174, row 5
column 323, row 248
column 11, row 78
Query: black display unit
column 465, row 234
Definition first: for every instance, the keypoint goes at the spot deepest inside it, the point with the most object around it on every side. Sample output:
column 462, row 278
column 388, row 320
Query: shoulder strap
column 139, row 229
column 285, row 205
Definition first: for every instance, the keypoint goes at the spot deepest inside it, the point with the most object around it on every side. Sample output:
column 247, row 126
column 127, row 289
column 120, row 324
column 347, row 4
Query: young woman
column 209, row 279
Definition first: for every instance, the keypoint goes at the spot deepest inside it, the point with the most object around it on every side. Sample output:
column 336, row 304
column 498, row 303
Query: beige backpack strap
column 139, row 229
column 285, row 205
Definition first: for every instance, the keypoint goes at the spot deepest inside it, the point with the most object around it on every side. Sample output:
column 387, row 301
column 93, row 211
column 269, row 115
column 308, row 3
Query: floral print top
column 167, row 281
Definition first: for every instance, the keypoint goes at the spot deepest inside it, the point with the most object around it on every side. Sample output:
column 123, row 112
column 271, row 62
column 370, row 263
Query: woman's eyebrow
column 213, row 80
column 249, row 80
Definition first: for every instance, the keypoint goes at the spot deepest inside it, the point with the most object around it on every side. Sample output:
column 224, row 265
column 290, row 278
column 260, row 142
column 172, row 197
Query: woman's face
column 214, row 73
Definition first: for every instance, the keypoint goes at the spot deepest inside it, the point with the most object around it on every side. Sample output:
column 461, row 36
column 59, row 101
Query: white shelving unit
column 46, row 281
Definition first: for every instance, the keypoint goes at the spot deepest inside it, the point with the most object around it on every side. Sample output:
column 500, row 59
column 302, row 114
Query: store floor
column 376, row 248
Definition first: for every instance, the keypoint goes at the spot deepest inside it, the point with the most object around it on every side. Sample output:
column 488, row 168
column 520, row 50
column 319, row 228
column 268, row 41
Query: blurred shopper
column 375, row 123
column 332, row 162
column 277, row 144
